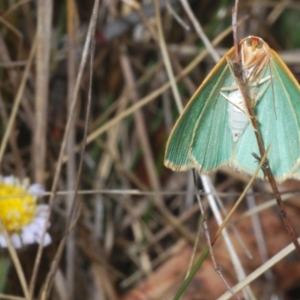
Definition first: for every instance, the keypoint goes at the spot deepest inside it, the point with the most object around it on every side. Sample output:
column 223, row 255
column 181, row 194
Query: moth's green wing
column 201, row 136
column 212, row 139
column 278, row 113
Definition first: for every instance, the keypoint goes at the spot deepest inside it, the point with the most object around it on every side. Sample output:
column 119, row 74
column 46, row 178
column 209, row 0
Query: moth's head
column 254, row 54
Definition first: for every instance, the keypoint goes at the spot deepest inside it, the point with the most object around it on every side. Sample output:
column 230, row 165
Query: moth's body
column 215, row 128
column 238, row 117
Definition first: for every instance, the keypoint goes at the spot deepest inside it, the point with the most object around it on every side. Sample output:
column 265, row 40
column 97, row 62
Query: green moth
column 214, row 129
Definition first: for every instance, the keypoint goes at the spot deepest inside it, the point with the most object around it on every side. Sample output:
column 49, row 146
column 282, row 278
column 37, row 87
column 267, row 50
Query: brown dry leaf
column 166, row 280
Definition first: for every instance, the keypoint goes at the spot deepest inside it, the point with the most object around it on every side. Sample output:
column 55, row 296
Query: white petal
column 33, row 227
column 39, row 223
column 36, row 189
column 42, row 210
column 47, row 239
column 27, row 236
column 16, row 240
column 9, row 180
column 24, row 183
column 3, row 243
column 34, row 231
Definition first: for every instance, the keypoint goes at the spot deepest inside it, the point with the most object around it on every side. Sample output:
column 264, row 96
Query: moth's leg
column 257, row 96
column 229, row 88
column 230, row 101
column 265, row 79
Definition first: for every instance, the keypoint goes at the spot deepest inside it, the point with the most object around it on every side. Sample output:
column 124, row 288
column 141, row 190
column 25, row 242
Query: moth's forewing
column 278, row 114
column 200, row 134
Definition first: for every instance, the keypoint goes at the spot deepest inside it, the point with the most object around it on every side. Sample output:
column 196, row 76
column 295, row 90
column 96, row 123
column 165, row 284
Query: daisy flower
column 22, row 216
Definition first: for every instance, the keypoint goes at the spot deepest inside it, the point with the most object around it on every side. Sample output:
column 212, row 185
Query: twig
column 234, row 31
column 238, row 72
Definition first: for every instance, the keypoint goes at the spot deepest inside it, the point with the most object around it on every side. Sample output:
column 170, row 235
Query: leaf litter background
column 125, row 245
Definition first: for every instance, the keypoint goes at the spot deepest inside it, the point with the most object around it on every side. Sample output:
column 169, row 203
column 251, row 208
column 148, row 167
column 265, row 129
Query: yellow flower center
column 17, row 207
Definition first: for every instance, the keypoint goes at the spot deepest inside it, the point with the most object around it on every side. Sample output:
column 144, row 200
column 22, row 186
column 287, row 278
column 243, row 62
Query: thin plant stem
column 63, row 146
column 238, row 72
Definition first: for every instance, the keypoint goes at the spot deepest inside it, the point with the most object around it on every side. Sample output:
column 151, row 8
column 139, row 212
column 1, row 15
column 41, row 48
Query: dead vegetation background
column 138, row 223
